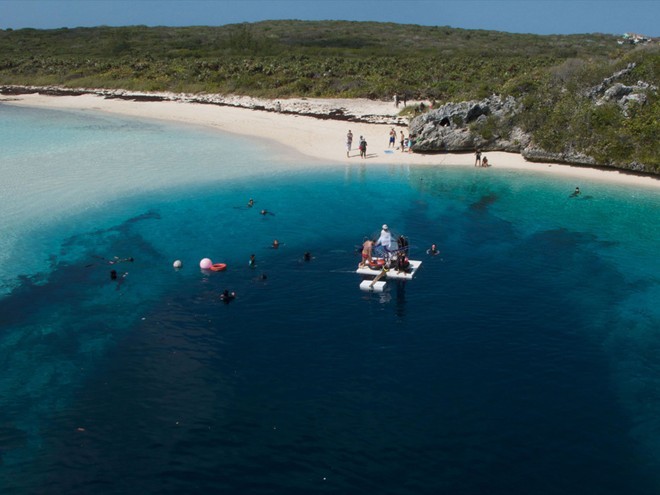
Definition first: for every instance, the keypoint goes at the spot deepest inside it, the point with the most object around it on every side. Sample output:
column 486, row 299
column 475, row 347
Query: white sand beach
column 317, row 138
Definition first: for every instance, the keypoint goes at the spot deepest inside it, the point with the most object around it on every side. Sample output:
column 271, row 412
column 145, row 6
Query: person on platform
column 367, row 249
column 385, row 240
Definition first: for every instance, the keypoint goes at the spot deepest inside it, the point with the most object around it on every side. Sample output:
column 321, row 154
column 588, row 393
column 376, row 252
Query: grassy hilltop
column 549, row 74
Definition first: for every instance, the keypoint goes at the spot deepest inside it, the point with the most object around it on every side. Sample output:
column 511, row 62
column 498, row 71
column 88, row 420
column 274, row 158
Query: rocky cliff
column 491, row 124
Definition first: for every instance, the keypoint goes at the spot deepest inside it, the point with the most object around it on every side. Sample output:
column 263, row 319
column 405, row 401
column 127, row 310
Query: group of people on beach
column 405, row 143
column 400, row 99
column 420, row 108
column 479, row 161
column 362, row 145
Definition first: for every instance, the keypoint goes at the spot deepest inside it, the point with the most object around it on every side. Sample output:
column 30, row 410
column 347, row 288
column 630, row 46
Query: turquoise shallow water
column 522, row 359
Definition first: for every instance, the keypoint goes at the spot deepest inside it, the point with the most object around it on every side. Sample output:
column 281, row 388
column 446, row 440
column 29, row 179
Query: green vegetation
column 561, row 116
column 277, row 59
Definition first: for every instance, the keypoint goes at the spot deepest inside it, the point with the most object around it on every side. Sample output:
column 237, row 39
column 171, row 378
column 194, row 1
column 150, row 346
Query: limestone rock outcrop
column 451, row 127
column 611, row 91
column 489, row 125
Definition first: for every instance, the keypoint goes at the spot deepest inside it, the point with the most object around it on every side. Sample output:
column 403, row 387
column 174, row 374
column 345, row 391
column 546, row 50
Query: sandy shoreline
column 320, row 139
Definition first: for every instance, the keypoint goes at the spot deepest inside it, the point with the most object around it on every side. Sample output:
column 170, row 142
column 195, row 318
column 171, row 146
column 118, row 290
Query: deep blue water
column 522, row 359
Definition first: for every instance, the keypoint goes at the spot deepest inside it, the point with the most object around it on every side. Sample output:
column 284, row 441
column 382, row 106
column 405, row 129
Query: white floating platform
column 392, row 273
column 371, row 286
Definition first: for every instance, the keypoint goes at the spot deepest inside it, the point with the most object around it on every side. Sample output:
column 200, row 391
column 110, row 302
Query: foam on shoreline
column 314, row 137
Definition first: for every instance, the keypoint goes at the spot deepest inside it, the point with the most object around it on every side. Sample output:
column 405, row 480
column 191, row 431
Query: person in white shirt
column 385, row 240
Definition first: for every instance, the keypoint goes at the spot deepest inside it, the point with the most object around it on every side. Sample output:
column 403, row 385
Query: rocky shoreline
column 488, row 125
column 319, row 109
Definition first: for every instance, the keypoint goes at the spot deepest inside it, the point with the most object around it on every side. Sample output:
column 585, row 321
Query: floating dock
column 380, row 275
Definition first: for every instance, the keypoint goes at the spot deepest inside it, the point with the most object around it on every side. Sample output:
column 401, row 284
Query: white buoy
column 177, row 264
column 205, row 264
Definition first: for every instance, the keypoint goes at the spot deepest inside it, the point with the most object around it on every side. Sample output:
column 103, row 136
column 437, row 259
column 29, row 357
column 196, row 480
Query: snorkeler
column 117, row 259
column 113, row 276
column 227, row 296
column 433, row 250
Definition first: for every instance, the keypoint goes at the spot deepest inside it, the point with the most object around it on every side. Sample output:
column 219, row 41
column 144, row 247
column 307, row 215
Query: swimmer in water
column 276, row 244
column 307, row 256
column 433, row 250
column 113, row 276
column 253, row 261
column 251, row 203
column 576, row 192
column 117, row 259
column 227, row 296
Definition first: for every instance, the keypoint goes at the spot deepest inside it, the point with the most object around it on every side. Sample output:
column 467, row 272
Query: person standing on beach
column 392, row 142
column 402, row 139
column 477, row 158
column 363, row 147
column 349, row 143
column 411, row 142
